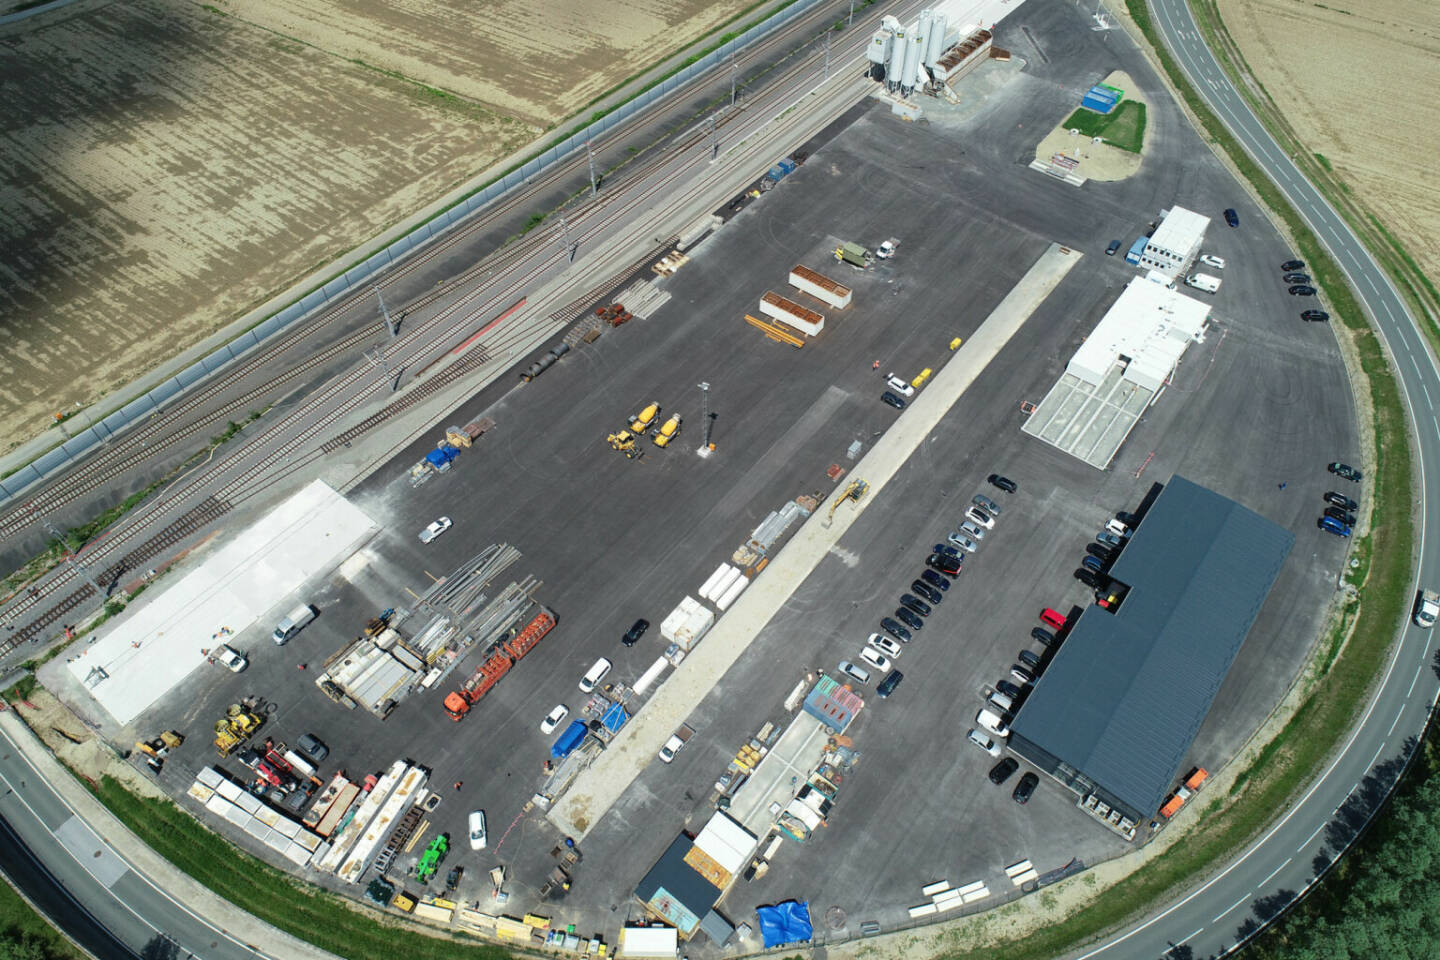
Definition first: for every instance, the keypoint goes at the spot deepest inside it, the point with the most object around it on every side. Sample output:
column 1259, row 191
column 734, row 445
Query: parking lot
column 1262, row 402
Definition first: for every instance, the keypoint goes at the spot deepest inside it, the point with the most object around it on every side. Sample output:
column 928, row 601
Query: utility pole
column 827, row 54
column 390, row 325
column 707, row 447
column 714, row 139
column 75, row 564
column 734, row 70
column 594, row 184
column 570, row 248
column 851, row 19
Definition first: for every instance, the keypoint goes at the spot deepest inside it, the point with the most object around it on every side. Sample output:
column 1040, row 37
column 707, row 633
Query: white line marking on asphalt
column 1229, row 908
column 1273, row 872
column 1426, row 390
column 1186, row 939
column 1311, row 837
column 1376, row 757
column 1368, row 279
column 1422, row 662
column 1395, row 721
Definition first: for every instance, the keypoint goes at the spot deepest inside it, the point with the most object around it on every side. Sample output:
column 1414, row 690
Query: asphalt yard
column 1263, row 401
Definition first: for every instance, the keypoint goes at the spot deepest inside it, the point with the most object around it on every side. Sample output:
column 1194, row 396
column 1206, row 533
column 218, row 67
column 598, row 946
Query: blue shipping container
column 566, row 743
column 1102, row 93
column 1099, row 106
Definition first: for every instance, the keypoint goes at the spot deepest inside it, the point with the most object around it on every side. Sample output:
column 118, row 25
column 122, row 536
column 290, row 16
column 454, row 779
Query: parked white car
column 876, row 659
column 884, row 644
column 976, row 515
column 554, row 718
column 858, row 674
column 900, row 386
column 434, row 530
column 230, row 658
column 1211, row 260
column 993, row 722
column 477, row 830
column 984, row 743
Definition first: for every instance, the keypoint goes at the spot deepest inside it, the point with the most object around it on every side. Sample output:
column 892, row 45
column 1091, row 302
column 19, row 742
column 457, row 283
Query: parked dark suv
column 636, row 631
column 1232, row 218
column 1002, row 770
column 1110, row 250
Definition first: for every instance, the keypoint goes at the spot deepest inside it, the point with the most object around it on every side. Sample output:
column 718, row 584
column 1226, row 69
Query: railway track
column 161, row 433
column 253, row 466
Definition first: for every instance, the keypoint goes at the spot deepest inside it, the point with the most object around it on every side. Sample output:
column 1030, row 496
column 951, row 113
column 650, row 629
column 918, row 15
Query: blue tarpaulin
column 787, row 922
column 614, row 718
column 566, row 743
column 442, row 455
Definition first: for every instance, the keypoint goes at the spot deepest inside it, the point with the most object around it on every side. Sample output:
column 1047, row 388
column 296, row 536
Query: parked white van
column 292, row 624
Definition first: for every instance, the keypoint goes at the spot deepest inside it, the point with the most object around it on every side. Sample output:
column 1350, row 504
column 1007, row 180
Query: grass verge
column 26, row 935
column 1123, row 127
column 298, row 908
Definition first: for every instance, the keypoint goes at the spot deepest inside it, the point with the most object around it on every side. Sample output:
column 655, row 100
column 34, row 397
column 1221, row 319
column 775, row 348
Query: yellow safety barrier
column 955, row 344
column 920, row 380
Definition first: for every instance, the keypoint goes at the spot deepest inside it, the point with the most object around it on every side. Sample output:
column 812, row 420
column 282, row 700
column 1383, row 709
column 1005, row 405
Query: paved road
column 1282, row 863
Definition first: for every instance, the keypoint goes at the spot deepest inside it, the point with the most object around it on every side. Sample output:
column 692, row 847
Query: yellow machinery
column 646, row 419
column 854, row 490
column 668, row 432
column 624, row 440
column 236, row 727
column 161, row 745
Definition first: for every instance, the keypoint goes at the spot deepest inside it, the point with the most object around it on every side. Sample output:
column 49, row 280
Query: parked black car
column 1004, row 483
column 926, row 592
column 1302, row 291
column 1044, row 636
column 1003, row 770
column 636, row 631
column 1296, row 278
column 1030, row 658
column 1110, row 250
column 894, row 401
column 1290, row 265
column 907, row 617
column 1100, row 551
column 914, row 603
column 1344, row 517
column 935, row 580
column 1009, row 689
column 1232, row 218
column 1344, row 471
column 1088, row 577
column 1316, row 316
column 1025, row 789
column 1342, row 501
column 899, row 632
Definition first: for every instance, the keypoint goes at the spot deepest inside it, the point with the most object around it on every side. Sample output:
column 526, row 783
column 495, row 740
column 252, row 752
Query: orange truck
column 503, row 656
column 1177, row 799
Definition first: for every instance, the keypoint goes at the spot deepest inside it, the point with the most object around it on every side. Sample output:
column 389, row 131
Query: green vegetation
column 1123, row 127
column 1383, row 899
column 535, row 220
column 297, row 908
column 26, row 935
column 20, row 690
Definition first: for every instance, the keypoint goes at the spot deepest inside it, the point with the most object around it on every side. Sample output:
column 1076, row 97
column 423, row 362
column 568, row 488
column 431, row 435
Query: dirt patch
column 1345, row 75
column 78, row 747
column 1097, row 161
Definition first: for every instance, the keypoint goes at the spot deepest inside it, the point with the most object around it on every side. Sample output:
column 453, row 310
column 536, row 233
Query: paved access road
column 1280, row 865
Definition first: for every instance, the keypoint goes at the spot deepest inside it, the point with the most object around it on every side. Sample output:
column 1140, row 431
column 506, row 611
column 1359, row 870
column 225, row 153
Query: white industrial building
column 1119, row 370
column 1176, row 242
column 942, row 44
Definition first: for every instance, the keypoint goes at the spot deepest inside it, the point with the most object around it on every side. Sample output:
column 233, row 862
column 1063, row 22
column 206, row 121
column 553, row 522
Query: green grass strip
column 1123, row 127
column 26, row 935
column 298, row 908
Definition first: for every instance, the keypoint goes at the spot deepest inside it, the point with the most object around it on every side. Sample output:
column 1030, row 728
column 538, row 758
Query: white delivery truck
column 292, row 624
column 1427, row 608
column 1203, row 282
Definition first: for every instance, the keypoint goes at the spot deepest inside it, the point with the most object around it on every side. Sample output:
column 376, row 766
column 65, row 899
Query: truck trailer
column 502, row 657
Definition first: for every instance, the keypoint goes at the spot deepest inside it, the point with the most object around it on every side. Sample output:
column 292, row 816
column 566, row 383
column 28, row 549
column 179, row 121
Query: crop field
column 1346, row 75
column 170, row 166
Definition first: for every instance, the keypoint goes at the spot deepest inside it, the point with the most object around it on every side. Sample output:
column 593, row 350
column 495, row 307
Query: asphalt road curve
column 1278, row 867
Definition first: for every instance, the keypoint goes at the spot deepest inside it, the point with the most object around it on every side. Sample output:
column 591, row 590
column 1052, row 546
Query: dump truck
column 639, row 424
column 1427, row 608
column 503, row 656
column 668, row 432
column 1177, row 800
column 855, row 254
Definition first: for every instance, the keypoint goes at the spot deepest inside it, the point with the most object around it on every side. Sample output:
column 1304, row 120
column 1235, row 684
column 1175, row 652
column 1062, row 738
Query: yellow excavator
column 854, row 490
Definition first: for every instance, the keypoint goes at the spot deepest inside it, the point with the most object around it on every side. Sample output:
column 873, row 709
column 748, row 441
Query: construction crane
column 854, row 490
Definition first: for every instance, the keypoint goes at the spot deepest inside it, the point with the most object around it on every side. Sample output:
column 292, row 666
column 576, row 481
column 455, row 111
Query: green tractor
column 431, row 859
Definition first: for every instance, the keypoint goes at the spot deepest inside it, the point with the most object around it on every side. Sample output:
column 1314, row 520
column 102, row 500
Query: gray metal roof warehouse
column 1127, row 691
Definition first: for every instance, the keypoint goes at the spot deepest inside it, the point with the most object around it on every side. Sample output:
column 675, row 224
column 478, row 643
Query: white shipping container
column 718, row 590
column 792, row 314
column 648, row 678
column 696, row 626
column 821, row 287
column 713, row 579
column 731, row 595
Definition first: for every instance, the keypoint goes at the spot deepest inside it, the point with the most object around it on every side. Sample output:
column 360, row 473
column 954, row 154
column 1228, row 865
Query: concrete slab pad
column 138, row 661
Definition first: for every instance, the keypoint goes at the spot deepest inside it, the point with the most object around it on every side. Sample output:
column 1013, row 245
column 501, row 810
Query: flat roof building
column 1118, row 371
column 1176, row 242
column 1116, row 711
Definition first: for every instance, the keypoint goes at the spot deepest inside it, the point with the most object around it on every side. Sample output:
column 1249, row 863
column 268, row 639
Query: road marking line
column 1376, row 757
column 1229, row 908
column 1422, row 662
column 1311, row 837
column 1395, row 721
column 1426, row 390
column 1185, row 939
column 1273, row 872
